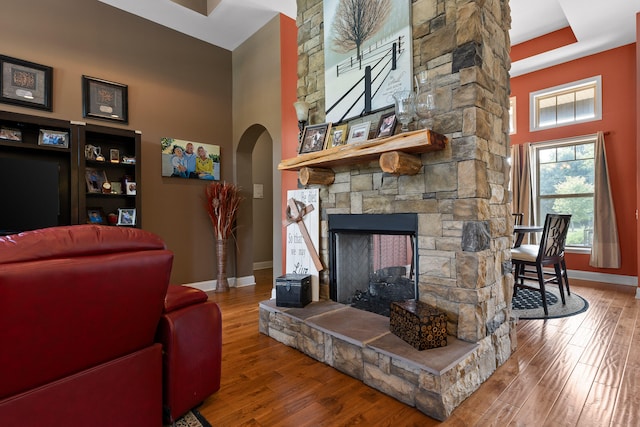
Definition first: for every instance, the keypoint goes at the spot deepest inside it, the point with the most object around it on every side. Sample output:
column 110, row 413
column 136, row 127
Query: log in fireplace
column 373, row 260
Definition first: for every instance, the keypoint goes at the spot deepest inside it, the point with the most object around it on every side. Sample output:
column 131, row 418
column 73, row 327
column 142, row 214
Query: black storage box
column 293, row 290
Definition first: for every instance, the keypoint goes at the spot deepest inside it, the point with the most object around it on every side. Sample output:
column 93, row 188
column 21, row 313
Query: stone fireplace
column 459, row 198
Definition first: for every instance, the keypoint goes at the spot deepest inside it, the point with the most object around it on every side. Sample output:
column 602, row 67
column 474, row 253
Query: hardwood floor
column 577, row 371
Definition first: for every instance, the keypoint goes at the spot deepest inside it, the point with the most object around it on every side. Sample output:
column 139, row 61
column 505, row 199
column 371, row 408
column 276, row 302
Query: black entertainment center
column 43, row 169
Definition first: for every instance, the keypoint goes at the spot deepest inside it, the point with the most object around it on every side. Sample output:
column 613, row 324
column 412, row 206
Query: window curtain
column 605, row 250
column 521, row 183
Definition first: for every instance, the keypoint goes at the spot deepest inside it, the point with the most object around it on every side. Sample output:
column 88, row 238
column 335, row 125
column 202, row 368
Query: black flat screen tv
column 29, row 194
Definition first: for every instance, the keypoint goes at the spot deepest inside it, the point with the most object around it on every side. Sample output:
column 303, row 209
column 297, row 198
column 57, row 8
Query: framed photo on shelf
column 131, row 188
column 114, row 155
column 102, row 99
column 53, row 138
column 359, row 132
column 26, row 83
column 387, row 125
column 95, row 178
column 116, row 187
column 96, row 216
column 338, row 135
column 314, row 138
column 126, row 216
column 10, row 134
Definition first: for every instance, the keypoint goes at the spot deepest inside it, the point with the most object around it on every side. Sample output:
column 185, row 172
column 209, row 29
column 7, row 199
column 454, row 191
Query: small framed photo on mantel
column 105, row 100
column 314, row 138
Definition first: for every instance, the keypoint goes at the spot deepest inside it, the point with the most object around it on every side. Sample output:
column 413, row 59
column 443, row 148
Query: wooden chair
column 517, row 218
column 550, row 252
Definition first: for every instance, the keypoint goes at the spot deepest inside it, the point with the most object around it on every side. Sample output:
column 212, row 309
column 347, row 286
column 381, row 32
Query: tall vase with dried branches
column 223, row 200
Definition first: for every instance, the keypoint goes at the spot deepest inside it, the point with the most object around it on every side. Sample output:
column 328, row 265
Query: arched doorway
column 254, row 175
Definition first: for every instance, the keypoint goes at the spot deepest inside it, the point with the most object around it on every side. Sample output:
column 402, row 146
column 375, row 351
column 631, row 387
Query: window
column 564, row 105
column 512, row 115
column 564, row 184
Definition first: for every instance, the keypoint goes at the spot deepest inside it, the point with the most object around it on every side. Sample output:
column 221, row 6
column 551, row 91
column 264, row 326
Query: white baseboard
column 262, row 265
column 637, row 293
column 234, row 282
column 245, row 281
column 615, row 279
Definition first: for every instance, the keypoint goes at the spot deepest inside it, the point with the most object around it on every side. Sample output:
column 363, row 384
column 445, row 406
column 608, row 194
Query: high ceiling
column 598, row 25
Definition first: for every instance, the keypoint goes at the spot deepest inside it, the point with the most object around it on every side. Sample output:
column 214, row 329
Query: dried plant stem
column 223, row 200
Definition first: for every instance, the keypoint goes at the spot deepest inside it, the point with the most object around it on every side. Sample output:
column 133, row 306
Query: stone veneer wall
column 461, row 194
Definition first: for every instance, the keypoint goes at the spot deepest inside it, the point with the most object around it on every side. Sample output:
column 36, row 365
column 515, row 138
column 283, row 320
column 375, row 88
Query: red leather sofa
column 93, row 334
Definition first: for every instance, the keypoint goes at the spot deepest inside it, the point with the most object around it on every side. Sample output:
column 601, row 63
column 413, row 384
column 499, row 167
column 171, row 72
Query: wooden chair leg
column 564, row 274
column 542, row 290
column 560, row 280
column 516, row 276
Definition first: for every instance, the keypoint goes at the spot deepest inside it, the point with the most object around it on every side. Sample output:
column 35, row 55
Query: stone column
column 461, row 195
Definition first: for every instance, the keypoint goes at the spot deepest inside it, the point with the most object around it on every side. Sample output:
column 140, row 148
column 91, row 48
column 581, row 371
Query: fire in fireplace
column 373, row 260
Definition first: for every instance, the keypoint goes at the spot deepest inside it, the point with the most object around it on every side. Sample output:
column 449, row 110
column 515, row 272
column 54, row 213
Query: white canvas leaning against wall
column 298, row 258
column 383, row 44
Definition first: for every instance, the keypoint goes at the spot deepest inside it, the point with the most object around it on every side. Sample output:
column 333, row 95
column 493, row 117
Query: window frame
column 572, row 87
column 535, row 177
column 513, row 129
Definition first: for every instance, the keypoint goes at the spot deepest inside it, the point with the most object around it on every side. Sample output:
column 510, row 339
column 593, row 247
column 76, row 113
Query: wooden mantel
column 315, row 166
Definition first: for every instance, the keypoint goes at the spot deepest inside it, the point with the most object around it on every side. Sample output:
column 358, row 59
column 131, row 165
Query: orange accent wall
column 553, row 40
column 289, row 79
column 637, row 80
column 619, row 83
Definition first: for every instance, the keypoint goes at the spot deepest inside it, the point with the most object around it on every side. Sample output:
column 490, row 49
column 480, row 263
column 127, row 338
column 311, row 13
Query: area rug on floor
column 527, row 304
column 193, row 418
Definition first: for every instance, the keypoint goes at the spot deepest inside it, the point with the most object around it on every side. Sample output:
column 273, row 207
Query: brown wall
column 178, row 87
column 257, row 120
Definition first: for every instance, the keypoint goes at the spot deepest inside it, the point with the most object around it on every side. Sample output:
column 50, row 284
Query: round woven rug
column 527, row 304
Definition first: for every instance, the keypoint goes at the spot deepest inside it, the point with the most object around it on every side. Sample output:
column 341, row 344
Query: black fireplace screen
column 373, row 260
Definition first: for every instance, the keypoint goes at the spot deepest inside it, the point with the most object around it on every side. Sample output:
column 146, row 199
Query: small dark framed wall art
column 105, row 100
column 25, row 83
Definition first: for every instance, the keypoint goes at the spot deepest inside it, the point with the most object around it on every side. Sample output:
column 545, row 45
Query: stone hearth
column 359, row 344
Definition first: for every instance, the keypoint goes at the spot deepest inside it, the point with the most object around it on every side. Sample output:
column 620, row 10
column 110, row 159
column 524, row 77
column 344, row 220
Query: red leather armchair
column 91, row 336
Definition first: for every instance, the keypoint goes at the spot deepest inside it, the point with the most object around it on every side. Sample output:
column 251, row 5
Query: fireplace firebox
column 373, row 260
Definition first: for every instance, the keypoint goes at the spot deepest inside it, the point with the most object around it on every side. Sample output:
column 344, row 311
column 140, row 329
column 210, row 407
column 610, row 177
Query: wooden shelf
column 416, row 142
column 396, row 154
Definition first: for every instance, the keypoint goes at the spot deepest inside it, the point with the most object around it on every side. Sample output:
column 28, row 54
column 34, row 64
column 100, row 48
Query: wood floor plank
column 598, row 408
column 567, row 408
column 627, row 409
column 570, row 369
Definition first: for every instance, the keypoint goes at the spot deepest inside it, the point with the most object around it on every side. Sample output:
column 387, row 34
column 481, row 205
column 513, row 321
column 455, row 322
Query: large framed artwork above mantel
column 367, row 55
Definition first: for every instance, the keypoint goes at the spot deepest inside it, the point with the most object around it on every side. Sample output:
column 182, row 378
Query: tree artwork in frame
column 25, row 83
column 314, row 138
column 105, row 100
column 367, row 55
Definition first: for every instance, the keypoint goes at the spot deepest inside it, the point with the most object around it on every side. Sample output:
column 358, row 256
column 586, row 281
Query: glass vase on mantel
column 222, row 284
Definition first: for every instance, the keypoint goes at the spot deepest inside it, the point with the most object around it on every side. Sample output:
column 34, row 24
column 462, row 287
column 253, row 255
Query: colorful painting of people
column 182, row 159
